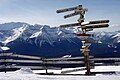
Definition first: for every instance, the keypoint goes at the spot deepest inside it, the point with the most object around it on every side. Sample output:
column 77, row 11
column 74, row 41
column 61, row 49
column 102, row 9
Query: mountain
column 42, row 40
column 11, row 25
column 4, row 34
column 37, row 38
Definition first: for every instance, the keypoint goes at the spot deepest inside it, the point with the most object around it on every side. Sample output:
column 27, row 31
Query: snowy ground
column 27, row 74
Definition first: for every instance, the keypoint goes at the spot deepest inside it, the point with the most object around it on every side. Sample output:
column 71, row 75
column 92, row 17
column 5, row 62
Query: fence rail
column 47, row 63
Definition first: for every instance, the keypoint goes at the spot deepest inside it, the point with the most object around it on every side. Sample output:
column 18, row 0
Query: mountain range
column 46, row 41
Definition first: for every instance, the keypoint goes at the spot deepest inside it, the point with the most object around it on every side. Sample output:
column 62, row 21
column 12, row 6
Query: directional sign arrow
column 69, row 9
column 95, row 26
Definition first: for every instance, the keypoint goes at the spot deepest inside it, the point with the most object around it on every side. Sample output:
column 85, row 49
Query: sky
column 44, row 11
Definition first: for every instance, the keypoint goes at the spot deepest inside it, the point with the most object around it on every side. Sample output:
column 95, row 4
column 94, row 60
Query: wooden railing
column 11, row 60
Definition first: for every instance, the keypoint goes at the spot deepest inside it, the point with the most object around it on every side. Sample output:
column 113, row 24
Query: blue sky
column 44, row 11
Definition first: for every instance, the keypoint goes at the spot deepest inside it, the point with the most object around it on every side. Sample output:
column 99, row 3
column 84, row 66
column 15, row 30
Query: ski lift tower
column 85, row 27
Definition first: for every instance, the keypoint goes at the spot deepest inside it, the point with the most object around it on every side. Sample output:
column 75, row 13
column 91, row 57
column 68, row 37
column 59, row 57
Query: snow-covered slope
column 41, row 33
column 4, row 34
column 107, row 37
column 27, row 74
column 51, row 35
column 117, row 37
column 16, row 33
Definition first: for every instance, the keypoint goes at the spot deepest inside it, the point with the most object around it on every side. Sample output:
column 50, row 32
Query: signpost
column 85, row 27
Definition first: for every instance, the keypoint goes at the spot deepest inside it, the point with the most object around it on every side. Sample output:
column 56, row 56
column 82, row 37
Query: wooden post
column 87, row 62
column 85, row 52
column 45, row 65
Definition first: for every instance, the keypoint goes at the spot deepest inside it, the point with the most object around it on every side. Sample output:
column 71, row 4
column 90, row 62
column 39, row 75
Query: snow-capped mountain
column 38, row 37
column 43, row 40
column 41, row 33
column 23, row 32
column 11, row 25
column 51, row 35
column 107, row 37
column 7, row 29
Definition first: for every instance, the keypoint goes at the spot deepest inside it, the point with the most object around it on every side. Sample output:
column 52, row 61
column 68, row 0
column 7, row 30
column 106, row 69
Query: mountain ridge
column 46, row 41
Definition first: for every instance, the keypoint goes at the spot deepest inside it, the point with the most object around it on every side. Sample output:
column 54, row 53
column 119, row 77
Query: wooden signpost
column 85, row 27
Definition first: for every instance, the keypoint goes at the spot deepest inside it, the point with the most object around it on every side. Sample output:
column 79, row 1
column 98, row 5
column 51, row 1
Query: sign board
column 69, row 9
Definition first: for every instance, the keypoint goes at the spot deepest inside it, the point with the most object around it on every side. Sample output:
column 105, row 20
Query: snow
column 106, row 68
column 50, row 35
column 24, row 71
column 60, row 32
column 84, row 23
column 5, row 48
column 73, row 30
column 99, row 41
column 41, row 34
column 28, row 74
column 36, row 34
column 18, row 76
column 67, row 56
column 96, row 69
column 117, row 36
column 17, row 33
